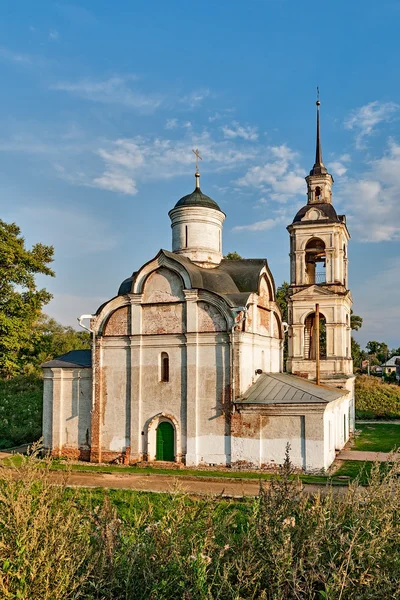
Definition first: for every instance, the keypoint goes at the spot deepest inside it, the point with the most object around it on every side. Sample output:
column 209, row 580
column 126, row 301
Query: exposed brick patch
column 118, row 322
column 163, row 318
column 301, row 374
column 210, row 319
column 71, row 453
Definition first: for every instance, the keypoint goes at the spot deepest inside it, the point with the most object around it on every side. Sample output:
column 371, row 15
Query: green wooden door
column 165, row 442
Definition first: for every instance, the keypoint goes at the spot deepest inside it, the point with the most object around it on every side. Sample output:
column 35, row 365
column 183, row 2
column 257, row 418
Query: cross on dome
column 197, row 174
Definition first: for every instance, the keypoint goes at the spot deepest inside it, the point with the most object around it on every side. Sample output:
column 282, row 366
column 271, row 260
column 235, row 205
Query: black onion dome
column 197, row 198
column 326, row 209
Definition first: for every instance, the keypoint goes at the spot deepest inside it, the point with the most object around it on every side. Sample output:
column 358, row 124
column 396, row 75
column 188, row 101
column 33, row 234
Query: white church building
column 187, row 364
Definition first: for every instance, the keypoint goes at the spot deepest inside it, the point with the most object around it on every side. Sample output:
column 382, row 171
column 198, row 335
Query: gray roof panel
column 71, row 360
column 283, row 388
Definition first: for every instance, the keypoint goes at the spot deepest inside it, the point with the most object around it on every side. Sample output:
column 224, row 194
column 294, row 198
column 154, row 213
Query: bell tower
column 318, row 275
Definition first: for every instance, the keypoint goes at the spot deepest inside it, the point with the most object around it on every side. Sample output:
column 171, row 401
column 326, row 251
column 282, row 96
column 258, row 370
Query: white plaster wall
column 247, row 450
column 213, row 404
column 48, row 398
column 197, row 233
column 276, row 432
column 115, row 433
column 257, row 352
column 67, row 400
column 160, row 396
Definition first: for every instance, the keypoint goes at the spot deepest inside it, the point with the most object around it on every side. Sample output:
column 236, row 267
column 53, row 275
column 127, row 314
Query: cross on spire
column 197, row 174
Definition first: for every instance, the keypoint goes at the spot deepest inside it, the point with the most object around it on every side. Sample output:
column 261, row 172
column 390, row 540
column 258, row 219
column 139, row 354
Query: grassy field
column 377, row 437
column 21, row 402
column 58, row 543
column 376, row 400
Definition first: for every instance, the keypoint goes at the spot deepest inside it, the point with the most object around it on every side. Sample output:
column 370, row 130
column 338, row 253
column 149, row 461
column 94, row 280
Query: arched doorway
column 165, row 442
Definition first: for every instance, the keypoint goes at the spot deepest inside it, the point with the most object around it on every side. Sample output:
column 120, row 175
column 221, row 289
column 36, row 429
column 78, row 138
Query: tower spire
column 319, row 167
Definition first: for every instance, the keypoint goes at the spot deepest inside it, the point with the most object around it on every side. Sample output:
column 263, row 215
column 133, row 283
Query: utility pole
column 317, row 346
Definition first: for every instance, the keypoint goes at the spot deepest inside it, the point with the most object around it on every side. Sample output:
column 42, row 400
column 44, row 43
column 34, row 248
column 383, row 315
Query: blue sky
column 103, row 101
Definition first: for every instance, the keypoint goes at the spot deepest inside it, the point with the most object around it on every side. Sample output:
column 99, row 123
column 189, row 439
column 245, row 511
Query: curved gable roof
column 234, row 280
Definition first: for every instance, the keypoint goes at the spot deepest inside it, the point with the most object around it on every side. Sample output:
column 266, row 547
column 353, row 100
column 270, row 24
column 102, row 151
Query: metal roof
column 391, row 362
column 282, row 388
column 197, row 198
column 234, row 280
column 70, row 360
column 327, row 210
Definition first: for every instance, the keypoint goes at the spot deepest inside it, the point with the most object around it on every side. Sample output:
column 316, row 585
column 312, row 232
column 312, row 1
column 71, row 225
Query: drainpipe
column 236, row 312
column 285, row 329
column 92, row 331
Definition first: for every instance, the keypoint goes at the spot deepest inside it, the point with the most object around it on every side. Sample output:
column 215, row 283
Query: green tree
column 355, row 321
column 51, row 339
column 20, row 300
column 282, row 294
column 378, row 351
column 233, row 256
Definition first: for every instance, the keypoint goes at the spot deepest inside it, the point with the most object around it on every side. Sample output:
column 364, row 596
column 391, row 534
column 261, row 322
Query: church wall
column 259, row 440
column 213, row 402
column 168, row 397
column 257, row 352
column 115, row 385
column 67, row 404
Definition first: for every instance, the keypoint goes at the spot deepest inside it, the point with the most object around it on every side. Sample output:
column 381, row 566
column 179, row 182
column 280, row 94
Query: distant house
column 391, row 365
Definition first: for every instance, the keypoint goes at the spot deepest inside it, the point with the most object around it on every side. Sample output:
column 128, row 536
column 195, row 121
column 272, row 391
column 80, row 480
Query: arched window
column 310, row 337
column 318, row 193
column 164, row 366
column 315, row 261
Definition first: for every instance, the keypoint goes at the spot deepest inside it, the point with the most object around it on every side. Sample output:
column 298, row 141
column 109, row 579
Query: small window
column 318, row 193
column 186, row 236
column 164, row 366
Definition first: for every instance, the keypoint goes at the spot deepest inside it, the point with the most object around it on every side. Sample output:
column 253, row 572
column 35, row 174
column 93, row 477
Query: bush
column 45, row 540
column 375, row 399
column 21, row 409
column 58, row 544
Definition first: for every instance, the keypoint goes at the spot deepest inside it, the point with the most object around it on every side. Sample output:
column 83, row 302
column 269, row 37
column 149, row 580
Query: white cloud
column 377, row 302
column 259, row 225
column 338, row 168
column 281, row 177
column 129, row 160
column 365, row 119
column 195, row 98
column 171, row 124
column 373, row 200
column 240, row 131
column 16, row 57
column 114, row 90
column 115, row 181
column 54, row 34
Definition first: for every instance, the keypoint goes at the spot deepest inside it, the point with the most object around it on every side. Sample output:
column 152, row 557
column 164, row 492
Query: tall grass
column 59, row 543
column 375, row 399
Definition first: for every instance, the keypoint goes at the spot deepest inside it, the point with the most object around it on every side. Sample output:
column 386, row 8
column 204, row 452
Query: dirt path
column 169, row 483
column 363, row 455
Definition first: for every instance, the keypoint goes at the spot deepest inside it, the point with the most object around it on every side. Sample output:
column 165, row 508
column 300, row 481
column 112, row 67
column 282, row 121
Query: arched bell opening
column 310, row 338
column 315, row 261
